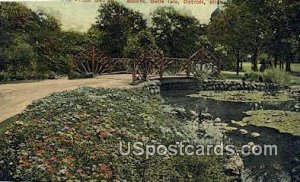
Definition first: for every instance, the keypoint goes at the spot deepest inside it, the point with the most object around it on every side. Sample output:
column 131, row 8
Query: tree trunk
column 281, row 65
column 238, row 62
column 254, row 60
column 288, row 65
column 275, row 61
column 242, row 66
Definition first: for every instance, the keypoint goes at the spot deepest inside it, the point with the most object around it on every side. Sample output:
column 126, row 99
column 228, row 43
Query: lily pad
column 243, row 96
column 284, row 121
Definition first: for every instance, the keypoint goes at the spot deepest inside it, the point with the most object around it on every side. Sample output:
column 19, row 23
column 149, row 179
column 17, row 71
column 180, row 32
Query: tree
column 143, row 40
column 228, row 29
column 260, row 26
column 117, row 23
column 285, row 19
column 176, row 34
column 19, row 58
column 16, row 52
column 36, row 32
column 48, row 45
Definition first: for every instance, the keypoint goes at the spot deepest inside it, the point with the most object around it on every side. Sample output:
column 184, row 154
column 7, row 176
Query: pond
column 257, row 168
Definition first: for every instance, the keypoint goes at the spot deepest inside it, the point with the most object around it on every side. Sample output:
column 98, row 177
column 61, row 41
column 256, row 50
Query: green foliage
column 51, row 75
column 178, row 35
column 200, row 75
column 30, row 45
column 254, row 76
column 19, row 57
column 73, row 136
column 115, row 23
column 274, row 75
column 271, row 75
column 138, row 42
column 284, row 121
column 255, row 27
column 243, row 96
column 3, row 76
column 231, row 75
column 76, row 75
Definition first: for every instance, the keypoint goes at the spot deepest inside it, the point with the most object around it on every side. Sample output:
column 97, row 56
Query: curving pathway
column 15, row 97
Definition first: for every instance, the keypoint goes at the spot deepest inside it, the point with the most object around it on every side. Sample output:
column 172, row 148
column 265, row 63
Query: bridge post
column 189, row 68
column 133, row 71
column 161, row 69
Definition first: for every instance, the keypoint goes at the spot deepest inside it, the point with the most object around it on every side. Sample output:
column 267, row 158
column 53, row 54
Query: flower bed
column 74, row 136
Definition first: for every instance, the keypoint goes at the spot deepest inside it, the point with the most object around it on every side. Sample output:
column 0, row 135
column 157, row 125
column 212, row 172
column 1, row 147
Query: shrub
column 51, row 75
column 26, row 75
column 40, row 76
column 200, row 74
column 88, row 75
column 3, row 76
column 73, row 136
column 274, row 75
column 76, row 75
column 253, row 76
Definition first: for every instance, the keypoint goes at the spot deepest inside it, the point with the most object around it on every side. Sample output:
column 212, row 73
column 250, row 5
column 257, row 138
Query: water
column 257, row 168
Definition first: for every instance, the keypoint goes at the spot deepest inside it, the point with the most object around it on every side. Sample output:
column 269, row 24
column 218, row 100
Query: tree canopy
column 175, row 33
column 256, row 27
column 33, row 43
column 116, row 23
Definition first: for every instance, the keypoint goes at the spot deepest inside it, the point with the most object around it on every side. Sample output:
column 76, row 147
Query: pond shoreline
column 226, row 110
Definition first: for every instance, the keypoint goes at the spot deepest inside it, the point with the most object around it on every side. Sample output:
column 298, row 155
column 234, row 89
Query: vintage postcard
column 150, row 90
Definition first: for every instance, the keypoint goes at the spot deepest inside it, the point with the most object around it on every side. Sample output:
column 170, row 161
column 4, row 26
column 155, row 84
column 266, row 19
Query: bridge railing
column 149, row 63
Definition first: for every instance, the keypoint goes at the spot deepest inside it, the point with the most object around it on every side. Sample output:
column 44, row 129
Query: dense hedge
column 73, row 135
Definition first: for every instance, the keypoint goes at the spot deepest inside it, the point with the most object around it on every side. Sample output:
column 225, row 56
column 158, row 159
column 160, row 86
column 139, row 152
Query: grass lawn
column 295, row 67
column 296, row 80
column 247, row 68
column 231, row 75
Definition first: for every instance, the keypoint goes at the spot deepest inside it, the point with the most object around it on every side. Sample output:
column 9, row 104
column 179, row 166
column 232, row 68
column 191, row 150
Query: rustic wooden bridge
column 146, row 64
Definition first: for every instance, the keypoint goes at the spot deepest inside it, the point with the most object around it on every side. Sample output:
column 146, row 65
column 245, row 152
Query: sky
column 79, row 16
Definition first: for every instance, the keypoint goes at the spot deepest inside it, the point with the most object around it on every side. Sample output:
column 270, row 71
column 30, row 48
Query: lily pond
column 255, row 118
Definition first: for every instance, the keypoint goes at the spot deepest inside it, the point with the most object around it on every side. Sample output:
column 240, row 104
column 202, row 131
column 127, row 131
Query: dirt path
column 14, row 98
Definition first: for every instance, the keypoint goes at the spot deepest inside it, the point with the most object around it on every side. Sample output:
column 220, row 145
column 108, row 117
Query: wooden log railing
column 148, row 63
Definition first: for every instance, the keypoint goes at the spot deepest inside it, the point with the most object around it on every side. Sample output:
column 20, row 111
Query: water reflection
column 258, row 168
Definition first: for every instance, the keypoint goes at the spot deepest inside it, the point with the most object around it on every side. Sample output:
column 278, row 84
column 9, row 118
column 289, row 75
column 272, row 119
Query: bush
column 19, row 75
column 88, row 75
column 253, row 76
column 274, row 75
column 52, row 75
column 271, row 75
column 73, row 136
column 40, row 76
column 26, row 75
column 3, row 76
column 76, row 75
column 200, row 74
